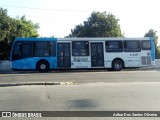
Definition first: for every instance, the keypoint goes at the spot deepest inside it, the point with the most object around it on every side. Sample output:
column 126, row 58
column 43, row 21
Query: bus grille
column 146, row 60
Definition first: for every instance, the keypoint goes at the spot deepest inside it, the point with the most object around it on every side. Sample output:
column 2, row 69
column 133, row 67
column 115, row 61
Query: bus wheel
column 43, row 66
column 117, row 65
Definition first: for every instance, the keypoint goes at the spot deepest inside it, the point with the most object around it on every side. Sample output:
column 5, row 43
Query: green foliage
column 4, row 24
column 152, row 33
column 10, row 28
column 4, row 50
column 52, row 36
column 98, row 25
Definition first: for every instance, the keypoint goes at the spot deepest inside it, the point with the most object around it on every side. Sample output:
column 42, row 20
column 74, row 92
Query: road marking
column 36, row 83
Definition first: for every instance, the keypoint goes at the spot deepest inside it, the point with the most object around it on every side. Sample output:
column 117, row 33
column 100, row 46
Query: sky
column 57, row 17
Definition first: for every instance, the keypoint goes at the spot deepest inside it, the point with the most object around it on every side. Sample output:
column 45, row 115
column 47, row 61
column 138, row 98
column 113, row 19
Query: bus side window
column 26, row 49
column 114, row 46
column 80, row 48
column 132, row 46
column 146, row 45
column 17, row 51
column 42, row 49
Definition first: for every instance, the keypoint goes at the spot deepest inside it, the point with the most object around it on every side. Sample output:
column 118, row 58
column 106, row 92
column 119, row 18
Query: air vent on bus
column 146, row 60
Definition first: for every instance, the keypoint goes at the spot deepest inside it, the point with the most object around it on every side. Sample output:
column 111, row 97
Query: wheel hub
column 118, row 66
column 43, row 66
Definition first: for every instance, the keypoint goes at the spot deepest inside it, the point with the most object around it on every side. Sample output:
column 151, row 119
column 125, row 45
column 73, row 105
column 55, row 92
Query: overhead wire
column 57, row 10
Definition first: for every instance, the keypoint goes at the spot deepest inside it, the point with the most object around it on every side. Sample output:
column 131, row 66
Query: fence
column 4, row 65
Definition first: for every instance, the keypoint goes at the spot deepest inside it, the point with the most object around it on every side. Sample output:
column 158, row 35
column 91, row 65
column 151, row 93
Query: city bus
column 45, row 54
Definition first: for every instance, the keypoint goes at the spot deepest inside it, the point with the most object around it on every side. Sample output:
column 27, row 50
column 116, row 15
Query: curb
column 38, row 83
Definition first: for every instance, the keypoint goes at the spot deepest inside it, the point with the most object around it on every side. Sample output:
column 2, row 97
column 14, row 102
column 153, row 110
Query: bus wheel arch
column 42, row 66
column 117, row 64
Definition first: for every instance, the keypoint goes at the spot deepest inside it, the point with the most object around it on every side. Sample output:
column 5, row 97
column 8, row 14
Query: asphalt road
column 139, row 96
column 83, row 77
column 91, row 96
column 93, row 91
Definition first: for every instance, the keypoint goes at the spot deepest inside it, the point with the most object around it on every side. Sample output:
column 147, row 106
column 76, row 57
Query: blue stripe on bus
column 152, row 48
column 30, row 63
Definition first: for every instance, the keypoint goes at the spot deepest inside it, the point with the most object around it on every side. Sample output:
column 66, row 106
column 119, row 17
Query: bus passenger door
column 64, row 55
column 97, row 55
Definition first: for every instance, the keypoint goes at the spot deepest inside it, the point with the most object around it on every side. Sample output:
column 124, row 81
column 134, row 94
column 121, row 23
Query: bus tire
column 43, row 66
column 117, row 65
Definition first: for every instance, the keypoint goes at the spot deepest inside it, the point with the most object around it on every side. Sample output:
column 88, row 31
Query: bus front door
column 64, row 56
column 97, row 55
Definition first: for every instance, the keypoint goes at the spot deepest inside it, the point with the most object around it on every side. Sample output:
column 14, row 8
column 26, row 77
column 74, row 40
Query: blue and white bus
column 44, row 54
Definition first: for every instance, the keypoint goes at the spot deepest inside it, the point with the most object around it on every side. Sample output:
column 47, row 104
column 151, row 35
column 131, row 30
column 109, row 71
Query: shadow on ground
column 82, row 104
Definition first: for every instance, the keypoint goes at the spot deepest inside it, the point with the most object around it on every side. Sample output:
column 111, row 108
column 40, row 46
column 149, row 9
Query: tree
column 4, row 24
column 10, row 28
column 98, row 25
column 52, row 36
column 21, row 27
column 152, row 33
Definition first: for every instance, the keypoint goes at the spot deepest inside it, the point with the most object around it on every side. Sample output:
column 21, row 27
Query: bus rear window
column 146, row 45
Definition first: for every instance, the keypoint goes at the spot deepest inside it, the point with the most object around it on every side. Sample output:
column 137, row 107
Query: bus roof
column 82, row 39
column 101, row 38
